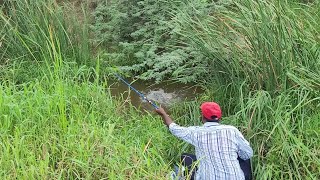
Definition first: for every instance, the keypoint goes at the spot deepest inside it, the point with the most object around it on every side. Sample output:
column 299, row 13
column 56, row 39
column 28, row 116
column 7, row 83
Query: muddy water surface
column 164, row 94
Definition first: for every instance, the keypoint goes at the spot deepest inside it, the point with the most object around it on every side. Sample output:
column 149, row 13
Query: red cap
column 210, row 109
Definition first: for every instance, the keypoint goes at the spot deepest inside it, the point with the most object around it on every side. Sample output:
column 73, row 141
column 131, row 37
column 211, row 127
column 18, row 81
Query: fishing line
column 136, row 91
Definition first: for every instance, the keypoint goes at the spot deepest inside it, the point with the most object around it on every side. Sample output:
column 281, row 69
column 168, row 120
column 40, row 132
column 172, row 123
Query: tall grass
column 264, row 59
column 255, row 41
column 76, row 131
column 29, row 31
column 60, row 124
column 283, row 132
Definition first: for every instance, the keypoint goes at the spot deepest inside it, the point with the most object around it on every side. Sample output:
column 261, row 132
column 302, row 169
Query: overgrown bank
column 58, row 119
column 259, row 59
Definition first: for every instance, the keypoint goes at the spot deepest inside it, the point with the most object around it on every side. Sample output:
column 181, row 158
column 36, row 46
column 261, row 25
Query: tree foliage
column 143, row 37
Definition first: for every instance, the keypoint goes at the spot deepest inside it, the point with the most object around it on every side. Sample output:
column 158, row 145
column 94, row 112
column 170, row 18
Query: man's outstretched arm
column 184, row 133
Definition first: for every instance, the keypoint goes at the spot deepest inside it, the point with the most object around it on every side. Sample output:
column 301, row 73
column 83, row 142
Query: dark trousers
column 188, row 159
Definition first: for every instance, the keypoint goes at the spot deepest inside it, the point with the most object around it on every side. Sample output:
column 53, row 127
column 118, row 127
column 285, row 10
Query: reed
column 259, row 42
column 263, row 59
column 30, row 31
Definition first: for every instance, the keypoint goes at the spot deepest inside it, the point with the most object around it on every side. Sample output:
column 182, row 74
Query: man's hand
column 166, row 118
column 161, row 112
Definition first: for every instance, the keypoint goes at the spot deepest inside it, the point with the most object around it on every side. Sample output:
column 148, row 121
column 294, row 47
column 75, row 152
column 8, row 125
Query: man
column 217, row 146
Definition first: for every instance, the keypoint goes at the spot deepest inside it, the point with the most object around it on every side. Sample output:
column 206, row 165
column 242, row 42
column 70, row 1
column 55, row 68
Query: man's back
column 217, row 149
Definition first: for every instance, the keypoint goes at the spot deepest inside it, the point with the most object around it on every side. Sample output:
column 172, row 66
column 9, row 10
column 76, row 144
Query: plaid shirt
column 217, row 149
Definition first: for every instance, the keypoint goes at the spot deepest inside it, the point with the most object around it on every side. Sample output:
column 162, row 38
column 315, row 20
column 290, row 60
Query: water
column 165, row 94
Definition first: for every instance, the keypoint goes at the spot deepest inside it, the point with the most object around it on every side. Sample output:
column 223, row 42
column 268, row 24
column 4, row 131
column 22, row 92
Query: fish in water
column 161, row 97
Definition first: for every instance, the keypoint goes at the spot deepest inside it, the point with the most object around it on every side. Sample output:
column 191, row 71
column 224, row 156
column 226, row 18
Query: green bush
column 142, row 37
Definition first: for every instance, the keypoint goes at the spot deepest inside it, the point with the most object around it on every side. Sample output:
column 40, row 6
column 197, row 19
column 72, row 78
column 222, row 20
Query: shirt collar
column 208, row 124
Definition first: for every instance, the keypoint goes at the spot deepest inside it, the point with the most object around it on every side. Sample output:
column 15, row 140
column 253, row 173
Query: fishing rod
column 136, row 91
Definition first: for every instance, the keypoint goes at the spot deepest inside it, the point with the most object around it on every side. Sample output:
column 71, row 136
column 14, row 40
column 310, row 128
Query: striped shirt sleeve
column 184, row 133
column 244, row 150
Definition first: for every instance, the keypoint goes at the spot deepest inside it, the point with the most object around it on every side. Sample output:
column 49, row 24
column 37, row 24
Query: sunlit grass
column 59, row 120
column 76, row 130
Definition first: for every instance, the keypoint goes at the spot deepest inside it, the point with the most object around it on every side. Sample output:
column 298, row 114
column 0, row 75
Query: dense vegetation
column 259, row 59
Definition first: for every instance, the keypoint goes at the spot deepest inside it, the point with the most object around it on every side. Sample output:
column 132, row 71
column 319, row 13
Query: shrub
column 142, row 37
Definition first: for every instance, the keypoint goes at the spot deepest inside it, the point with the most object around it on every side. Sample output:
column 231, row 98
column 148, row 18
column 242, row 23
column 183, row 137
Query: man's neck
column 214, row 121
column 210, row 123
